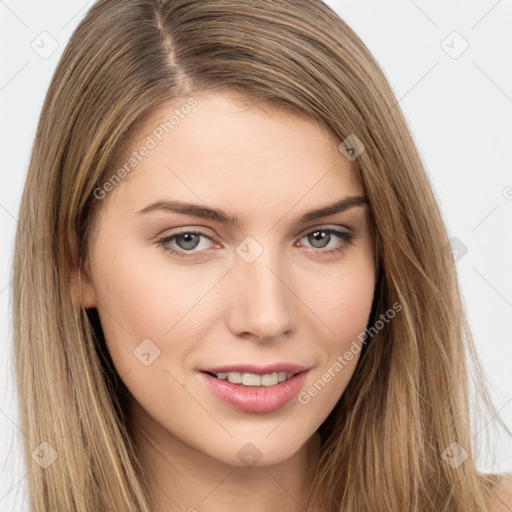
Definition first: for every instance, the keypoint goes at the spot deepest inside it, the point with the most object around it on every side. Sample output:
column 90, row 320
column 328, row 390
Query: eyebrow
column 205, row 212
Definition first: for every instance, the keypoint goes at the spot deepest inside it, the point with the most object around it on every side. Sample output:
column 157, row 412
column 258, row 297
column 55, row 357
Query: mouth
column 255, row 375
column 254, row 389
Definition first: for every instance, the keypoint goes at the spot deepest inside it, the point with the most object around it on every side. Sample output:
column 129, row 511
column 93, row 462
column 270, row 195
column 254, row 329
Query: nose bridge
column 262, row 301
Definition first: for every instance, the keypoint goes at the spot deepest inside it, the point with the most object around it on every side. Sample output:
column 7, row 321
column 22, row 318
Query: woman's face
column 190, row 303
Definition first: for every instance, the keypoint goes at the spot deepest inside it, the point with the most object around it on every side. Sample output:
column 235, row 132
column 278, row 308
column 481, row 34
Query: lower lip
column 256, row 399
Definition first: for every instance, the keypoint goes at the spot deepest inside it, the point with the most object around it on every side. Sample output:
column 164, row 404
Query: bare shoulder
column 502, row 500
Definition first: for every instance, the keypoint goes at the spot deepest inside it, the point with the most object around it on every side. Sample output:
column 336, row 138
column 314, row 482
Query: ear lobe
column 82, row 290
column 83, row 293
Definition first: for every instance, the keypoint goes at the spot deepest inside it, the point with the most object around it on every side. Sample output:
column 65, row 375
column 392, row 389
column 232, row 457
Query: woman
column 248, row 297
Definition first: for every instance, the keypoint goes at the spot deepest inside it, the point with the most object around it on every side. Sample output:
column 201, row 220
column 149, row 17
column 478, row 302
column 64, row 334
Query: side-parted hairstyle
column 410, row 396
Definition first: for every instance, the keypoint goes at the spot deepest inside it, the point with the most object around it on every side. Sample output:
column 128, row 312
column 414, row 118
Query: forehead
column 226, row 149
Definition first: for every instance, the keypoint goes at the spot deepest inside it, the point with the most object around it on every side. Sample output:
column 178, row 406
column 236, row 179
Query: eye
column 187, row 241
column 321, row 238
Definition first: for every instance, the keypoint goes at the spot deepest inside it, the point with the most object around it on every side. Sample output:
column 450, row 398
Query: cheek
column 343, row 299
column 143, row 296
column 344, row 307
column 143, row 308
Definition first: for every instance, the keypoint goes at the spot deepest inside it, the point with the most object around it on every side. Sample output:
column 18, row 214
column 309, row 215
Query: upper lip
column 256, row 369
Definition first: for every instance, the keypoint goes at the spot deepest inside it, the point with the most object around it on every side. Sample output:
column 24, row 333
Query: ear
column 83, row 293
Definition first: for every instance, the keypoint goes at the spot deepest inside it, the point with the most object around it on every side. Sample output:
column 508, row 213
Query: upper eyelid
column 305, row 231
column 326, row 227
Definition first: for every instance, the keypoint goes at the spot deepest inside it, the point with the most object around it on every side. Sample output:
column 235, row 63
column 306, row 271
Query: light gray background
column 458, row 106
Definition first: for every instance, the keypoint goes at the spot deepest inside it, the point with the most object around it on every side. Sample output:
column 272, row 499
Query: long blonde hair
column 409, row 398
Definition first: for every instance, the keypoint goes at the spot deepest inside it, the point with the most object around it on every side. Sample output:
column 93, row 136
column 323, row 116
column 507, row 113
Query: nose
column 262, row 302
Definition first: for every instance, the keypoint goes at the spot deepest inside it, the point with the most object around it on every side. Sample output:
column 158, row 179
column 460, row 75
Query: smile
column 255, row 389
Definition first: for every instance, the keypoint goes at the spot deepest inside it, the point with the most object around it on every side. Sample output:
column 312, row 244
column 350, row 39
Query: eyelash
column 347, row 240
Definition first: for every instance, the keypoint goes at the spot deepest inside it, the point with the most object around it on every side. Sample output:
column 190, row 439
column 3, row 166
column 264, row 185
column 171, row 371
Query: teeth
column 269, row 379
column 252, row 379
column 234, row 377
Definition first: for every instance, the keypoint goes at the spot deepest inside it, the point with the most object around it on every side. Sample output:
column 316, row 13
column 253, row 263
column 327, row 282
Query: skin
column 294, row 303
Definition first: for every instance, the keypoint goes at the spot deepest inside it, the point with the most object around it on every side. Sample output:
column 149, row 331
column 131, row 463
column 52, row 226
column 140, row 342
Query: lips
column 255, row 389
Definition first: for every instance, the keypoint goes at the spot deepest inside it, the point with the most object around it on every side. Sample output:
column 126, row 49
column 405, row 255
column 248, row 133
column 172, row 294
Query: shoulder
column 502, row 499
